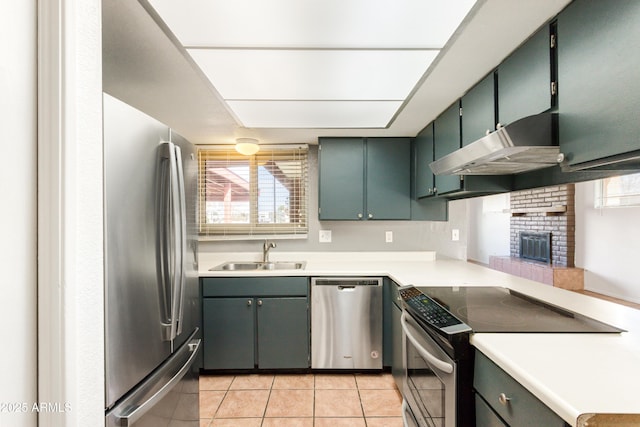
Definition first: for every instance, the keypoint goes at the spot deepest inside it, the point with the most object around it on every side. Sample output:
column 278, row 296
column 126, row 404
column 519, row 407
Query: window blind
column 259, row 195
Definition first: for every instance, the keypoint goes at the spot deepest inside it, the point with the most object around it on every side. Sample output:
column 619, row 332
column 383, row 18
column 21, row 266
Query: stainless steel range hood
column 525, row 145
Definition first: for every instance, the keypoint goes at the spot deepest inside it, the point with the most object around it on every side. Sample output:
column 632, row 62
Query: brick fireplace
column 543, row 219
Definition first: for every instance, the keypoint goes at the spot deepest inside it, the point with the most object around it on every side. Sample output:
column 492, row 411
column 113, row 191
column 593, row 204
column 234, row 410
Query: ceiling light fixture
column 247, row 146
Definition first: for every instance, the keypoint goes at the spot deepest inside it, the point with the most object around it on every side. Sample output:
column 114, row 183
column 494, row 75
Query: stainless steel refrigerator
column 152, row 313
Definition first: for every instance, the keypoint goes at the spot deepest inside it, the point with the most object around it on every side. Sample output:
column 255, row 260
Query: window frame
column 626, row 199
column 253, row 230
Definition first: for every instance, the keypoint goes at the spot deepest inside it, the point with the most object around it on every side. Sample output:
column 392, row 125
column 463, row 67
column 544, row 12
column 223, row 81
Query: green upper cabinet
column 446, row 135
column 423, row 156
column 425, row 207
column 599, row 93
column 524, row 79
column 363, row 178
column 388, row 180
column 341, row 178
column 479, row 110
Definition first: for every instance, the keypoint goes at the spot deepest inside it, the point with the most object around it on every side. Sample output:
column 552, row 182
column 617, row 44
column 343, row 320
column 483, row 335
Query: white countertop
column 573, row 374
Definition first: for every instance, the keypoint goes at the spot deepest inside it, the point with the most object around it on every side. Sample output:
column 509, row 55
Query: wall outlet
column 388, row 236
column 455, row 234
column 324, row 236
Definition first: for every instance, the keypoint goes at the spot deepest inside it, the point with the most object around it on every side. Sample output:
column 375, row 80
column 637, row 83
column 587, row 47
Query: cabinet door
column 228, row 333
column 524, row 79
column 446, row 132
column 423, row 156
column 388, row 178
column 598, row 63
column 478, row 111
column 341, row 175
column 283, row 333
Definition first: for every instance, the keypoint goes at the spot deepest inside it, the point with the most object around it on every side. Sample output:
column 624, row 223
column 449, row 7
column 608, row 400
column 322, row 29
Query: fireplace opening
column 535, row 246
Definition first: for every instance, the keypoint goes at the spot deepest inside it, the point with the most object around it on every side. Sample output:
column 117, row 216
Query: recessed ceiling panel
column 315, row 114
column 303, row 23
column 313, row 74
column 315, row 64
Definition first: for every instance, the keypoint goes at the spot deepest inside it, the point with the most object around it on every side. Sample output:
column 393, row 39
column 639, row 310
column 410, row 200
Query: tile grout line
column 271, row 387
column 264, row 413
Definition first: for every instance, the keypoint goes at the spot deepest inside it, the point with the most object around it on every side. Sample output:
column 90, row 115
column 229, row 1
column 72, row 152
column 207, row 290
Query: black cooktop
column 497, row 309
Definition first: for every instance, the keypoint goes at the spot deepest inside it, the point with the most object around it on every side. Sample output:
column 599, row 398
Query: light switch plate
column 324, row 236
column 388, row 236
column 455, row 234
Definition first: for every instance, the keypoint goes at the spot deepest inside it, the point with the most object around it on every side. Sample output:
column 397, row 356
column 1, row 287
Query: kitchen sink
column 257, row 265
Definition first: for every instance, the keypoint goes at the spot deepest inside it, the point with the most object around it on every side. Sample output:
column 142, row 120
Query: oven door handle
column 405, row 412
column 439, row 364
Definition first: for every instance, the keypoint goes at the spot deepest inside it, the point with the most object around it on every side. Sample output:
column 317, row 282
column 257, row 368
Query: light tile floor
column 305, row 400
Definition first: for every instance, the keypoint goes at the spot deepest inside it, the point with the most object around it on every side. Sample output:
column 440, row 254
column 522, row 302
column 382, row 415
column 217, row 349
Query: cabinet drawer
column 255, row 286
column 523, row 408
column 485, row 417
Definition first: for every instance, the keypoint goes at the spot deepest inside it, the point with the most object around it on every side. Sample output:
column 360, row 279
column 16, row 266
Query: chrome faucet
column 265, row 250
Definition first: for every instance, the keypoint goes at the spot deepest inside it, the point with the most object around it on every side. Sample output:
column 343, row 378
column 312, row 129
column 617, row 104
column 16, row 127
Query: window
column 244, row 196
column 618, row 191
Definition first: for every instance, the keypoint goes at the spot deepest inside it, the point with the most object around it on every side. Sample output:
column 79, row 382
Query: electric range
column 437, row 323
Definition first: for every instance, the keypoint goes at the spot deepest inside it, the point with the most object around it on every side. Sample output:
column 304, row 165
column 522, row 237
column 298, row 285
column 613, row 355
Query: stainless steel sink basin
column 257, row 265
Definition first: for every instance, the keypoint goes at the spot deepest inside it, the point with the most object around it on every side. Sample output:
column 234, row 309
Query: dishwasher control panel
column 347, row 282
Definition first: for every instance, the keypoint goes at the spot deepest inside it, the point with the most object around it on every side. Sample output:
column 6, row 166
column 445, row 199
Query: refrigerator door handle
column 171, row 255
column 175, row 240
column 181, row 249
column 165, row 235
column 138, row 412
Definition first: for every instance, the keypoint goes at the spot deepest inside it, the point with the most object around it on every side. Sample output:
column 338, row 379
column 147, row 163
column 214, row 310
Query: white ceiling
column 353, row 68
column 277, row 63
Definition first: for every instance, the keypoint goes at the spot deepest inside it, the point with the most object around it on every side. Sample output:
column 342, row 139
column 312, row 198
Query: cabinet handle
column 499, row 126
column 370, row 216
column 360, row 216
column 504, row 399
column 435, row 190
column 487, row 132
column 249, row 302
column 260, row 302
column 431, row 191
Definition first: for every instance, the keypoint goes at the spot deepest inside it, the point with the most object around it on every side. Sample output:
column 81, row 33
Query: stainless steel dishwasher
column 346, row 323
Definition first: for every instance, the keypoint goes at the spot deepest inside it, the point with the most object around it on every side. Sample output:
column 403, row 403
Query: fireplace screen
column 535, row 246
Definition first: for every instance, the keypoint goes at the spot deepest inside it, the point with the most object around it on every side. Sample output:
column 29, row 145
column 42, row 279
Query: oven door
column 430, row 377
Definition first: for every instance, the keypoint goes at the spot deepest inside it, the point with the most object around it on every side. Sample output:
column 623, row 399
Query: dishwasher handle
column 433, row 360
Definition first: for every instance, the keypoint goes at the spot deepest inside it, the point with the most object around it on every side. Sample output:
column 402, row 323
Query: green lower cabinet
column 229, row 331
column 485, row 417
column 251, row 322
column 283, row 333
column 508, row 403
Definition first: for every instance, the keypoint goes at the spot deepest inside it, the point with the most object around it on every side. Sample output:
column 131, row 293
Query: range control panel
column 430, row 312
